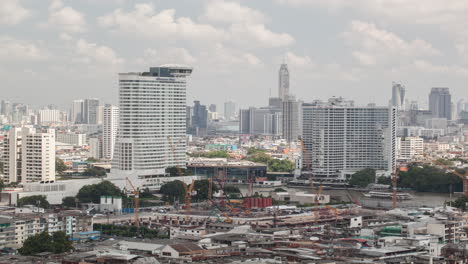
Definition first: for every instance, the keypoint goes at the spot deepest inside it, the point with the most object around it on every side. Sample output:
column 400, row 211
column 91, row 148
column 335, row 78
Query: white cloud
column 231, row 12
column 297, row 60
column 222, row 58
column 257, row 35
column 12, row 13
column 374, row 45
column 167, row 56
column 65, row 18
column 427, row 67
column 145, row 21
column 94, row 53
column 18, row 50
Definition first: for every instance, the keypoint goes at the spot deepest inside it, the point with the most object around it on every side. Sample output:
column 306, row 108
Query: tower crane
column 188, row 196
column 136, row 201
column 307, row 164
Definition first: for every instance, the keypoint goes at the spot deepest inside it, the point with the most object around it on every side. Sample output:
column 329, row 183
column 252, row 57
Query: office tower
column 109, row 129
column 409, row 147
column 341, row 138
column 199, row 120
column 440, row 103
column 100, row 115
column 5, row 108
column 49, row 116
column 212, row 108
column 291, row 119
column 74, row 139
column 230, row 110
column 189, row 115
column 275, row 102
column 152, row 132
column 283, row 86
column 95, row 147
column 398, row 95
column 260, row 121
column 29, row 155
column 460, row 106
column 91, row 111
column 76, row 112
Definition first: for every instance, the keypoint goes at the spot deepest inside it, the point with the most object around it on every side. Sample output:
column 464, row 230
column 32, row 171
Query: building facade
column 109, row 130
column 292, row 119
column 440, row 103
column 341, row 139
column 260, row 121
column 230, row 110
column 152, row 124
column 283, row 82
column 398, row 96
column 410, row 147
column 91, row 111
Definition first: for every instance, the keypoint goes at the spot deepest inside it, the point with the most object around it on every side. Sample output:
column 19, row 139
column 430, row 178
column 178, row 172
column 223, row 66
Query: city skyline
column 355, row 58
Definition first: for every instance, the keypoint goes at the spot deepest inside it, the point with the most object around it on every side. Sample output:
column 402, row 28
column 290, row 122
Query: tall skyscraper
column 260, row 121
column 398, row 95
column 212, row 108
column 76, row 112
column 230, row 110
column 91, row 111
column 29, row 155
column 440, row 103
column 291, row 119
column 152, row 132
column 199, row 119
column 109, row 129
column 283, row 86
column 341, row 139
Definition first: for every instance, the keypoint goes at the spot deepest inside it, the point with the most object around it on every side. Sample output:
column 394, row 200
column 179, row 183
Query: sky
column 55, row 51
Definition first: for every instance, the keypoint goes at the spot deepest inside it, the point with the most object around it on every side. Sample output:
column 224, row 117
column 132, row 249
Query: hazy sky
column 53, row 51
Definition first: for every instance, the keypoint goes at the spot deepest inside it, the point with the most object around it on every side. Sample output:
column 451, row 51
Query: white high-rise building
column 76, row 112
column 341, row 139
column 283, row 86
column 152, row 125
column 109, row 129
column 398, row 96
column 29, row 155
column 50, row 116
column 91, row 111
column 230, row 110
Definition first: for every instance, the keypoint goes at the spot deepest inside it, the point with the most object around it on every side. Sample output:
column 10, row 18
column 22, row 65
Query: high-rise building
column 152, row 133
column 91, row 111
column 410, row 147
column 109, row 129
column 230, row 110
column 212, row 108
column 199, row 119
column 29, row 155
column 77, row 111
column 5, row 108
column 440, row 103
column 341, row 138
column 398, row 95
column 50, row 116
column 291, row 119
column 260, row 121
column 283, row 85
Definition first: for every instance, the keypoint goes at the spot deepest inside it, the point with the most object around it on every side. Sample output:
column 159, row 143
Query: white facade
column 109, row 130
column 71, row 138
column 50, row 116
column 76, row 112
column 152, row 123
column 29, row 156
column 410, row 147
column 283, row 84
column 341, row 139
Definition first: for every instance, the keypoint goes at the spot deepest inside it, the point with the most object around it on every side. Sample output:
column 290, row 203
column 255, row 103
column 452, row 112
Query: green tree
column 260, row 157
column 229, row 189
column 91, row 159
column 60, row 166
column 174, row 171
column 279, row 190
column 202, row 188
column 92, row 193
column 278, row 165
column 211, row 154
column 69, row 202
column 36, row 200
column 363, row 178
column 43, row 242
column 445, row 162
column 173, row 191
column 93, row 171
column 461, row 203
column 384, row 180
column 429, row 179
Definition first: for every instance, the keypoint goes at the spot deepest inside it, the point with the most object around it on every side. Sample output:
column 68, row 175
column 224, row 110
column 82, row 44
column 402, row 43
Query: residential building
column 409, row 147
column 109, row 130
column 291, row 119
column 50, row 116
column 230, row 109
column 74, row 139
column 440, row 103
column 398, row 96
column 76, row 112
column 341, row 138
column 199, row 120
column 260, row 121
column 29, row 155
column 91, row 111
column 152, row 131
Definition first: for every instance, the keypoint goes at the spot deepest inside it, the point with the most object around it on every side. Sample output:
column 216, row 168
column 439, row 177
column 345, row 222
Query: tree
column 384, row 180
column 363, row 178
column 60, row 166
column 92, row 193
column 36, row 200
column 58, row 243
column 174, row 171
column 229, row 189
column 278, row 165
column 211, row 154
column 93, row 171
column 69, row 202
column 260, row 157
column 445, row 162
column 173, row 191
column 429, row 179
column 202, row 188
column 91, row 159
column 279, row 190
column 461, row 203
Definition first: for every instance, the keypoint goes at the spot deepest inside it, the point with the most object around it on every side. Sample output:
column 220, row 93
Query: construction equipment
column 395, row 187
column 188, row 197
column 136, row 200
column 316, row 202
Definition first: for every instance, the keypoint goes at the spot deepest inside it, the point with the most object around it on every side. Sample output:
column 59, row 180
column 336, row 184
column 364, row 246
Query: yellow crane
column 188, row 196
column 316, row 202
column 136, row 201
column 307, row 164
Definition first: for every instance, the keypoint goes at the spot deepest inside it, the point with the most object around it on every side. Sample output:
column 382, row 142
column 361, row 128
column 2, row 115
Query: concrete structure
column 199, row 120
column 76, row 112
column 109, row 130
column 152, row 116
column 230, row 110
column 71, row 138
column 95, row 147
column 409, row 147
column 292, row 119
column 301, row 197
column 29, row 155
column 398, row 96
column 283, row 82
column 440, row 103
column 49, row 116
column 260, row 121
column 91, row 111
column 341, row 138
